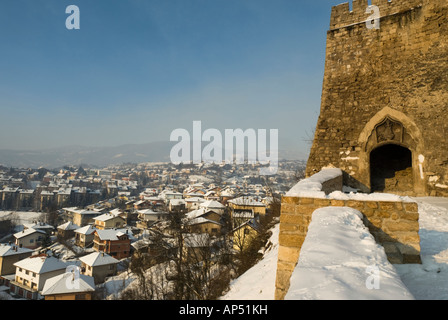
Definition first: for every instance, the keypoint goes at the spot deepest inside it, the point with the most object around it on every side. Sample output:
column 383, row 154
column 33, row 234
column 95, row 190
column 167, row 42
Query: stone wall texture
column 393, row 224
column 386, row 86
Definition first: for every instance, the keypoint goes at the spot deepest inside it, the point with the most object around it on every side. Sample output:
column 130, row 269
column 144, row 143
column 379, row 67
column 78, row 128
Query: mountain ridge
column 57, row 157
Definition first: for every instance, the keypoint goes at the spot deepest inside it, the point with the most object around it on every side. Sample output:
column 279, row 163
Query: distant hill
column 100, row 156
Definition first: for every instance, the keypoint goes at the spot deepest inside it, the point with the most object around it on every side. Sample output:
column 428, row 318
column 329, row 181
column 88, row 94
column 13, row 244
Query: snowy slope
column 258, row 283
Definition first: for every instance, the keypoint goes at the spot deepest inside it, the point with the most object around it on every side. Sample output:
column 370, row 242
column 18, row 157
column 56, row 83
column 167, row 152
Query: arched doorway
column 391, row 169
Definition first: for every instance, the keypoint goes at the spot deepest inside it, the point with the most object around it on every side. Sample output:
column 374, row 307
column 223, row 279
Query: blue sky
column 138, row 69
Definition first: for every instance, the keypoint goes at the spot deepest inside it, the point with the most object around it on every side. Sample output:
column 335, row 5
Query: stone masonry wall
column 398, row 72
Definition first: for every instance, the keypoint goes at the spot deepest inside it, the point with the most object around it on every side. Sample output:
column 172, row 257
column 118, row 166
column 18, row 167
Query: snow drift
column 340, row 260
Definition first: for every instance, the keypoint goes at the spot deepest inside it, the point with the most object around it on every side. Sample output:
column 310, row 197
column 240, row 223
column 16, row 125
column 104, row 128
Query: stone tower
column 384, row 109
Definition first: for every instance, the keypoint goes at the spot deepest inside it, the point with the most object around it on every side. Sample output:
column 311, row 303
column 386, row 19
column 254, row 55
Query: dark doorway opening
column 391, row 169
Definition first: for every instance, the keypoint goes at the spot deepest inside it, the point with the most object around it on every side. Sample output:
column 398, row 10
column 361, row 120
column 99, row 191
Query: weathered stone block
column 291, row 240
column 337, row 203
column 400, row 225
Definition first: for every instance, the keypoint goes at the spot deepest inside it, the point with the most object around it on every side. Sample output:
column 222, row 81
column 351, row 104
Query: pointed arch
column 395, row 115
column 406, row 134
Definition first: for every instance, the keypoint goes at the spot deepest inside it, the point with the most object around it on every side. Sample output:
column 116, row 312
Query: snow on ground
column 428, row 281
column 258, row 283
column 23, row 217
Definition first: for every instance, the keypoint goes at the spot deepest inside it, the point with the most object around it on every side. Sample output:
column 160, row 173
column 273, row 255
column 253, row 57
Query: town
column 135, row 231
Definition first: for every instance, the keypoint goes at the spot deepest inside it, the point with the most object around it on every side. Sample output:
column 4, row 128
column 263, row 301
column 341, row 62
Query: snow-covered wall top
column 340, row 260
column 312, row 187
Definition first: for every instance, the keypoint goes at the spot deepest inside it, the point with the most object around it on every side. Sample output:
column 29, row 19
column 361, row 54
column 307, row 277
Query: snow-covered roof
column 177, row 202
column 247, row 201
column 98, row 259
column 68, row 226
column 38, row 225
column 200, row 220
column 107, row 216
column 251, row 223
column 194, row 199
column 212, row 204
column 195, row 213
column 85, row 230
column 9, row 250
column 148, row 211
column 113, row 234
column 68, row 283
column 27, row 232
column 41, row 264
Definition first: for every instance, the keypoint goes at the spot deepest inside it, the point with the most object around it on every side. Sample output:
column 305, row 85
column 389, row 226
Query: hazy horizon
column 137, row 70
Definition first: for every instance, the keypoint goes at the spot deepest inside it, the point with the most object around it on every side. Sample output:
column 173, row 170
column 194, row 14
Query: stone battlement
column 342, row 16
column 383, row 109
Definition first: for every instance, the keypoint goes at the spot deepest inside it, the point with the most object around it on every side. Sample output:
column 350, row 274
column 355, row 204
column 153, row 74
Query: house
column 168, row 195
column 10, row 254
column 248, row 203
column 84, row 236
column 108, row 221
column 204, row 213
column 67, row 230
column 39, row 226
column 203, row 225
column 193, row 203
column 239, row 216
column 30, row 238
column 147, row 217
column 99, row 265
column 244, row 233
column 142, row 204
column 204, row 220
column 69, row 286
column 177, row 205
column 211, row 195
column 32, row 272
column 213, row 205
column 81, row 217
column 115, row 242
column 153, row 245
column 227, row 194
column 196, row 246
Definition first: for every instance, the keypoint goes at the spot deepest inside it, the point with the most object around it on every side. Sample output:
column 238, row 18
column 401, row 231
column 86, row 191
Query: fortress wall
column 399, row 71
